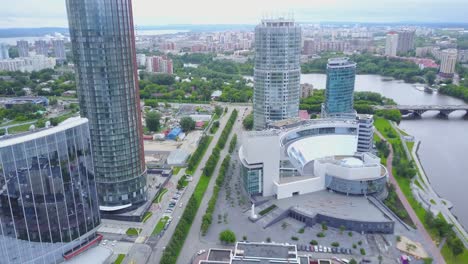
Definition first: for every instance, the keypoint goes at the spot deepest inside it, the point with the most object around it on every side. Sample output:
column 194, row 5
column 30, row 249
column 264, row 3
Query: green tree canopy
column 227, row 236
column 187, row 124
column 153, row 121
column 248, row 122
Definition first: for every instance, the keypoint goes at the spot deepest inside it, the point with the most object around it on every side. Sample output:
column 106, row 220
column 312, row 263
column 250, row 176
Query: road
column 190, row 249
column 433, row 250
column 156, row 255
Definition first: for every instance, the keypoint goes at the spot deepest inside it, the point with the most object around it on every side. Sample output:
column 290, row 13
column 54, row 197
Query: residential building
column 448, row 61
column 391, row 44
column 4, row 54
column 339, row 93
column 365, row 132
column 49, row 199
column 463, row 56
column 59, row 49
column 307, row 90
column 309, row 47
column 405, row 41
column 27, row 64
column 277, row 71
column 141, row 60
column 423, row 51
column 23, row 48
column 108, row 94
column 159, row 64
column 41, row 47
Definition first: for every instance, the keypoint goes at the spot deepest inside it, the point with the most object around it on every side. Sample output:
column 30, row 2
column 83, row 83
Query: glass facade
column 355, row 187
column 102, row 37
column 48, row 194
column 252, row 180
column 341, row 75
column 276, row 71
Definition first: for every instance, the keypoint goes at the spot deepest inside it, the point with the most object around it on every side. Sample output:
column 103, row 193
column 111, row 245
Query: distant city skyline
column 51, row 13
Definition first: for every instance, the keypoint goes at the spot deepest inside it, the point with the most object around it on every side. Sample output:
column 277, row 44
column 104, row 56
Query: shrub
column 301, row 231
column 227, row 236
column 320, row 234
column 335, row 244
column 314, row 242
column 363, row 251
column 350, row 233
column 294, row 238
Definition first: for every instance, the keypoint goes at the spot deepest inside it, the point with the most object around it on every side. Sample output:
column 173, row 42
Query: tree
column 53, row 101
column 218, row 110
column 430, row 77
column 352, row 261
column 227, row 236
column 380, row 259
column 248, row 122
column 187, row 124
column 153, row 121
column 342, row 229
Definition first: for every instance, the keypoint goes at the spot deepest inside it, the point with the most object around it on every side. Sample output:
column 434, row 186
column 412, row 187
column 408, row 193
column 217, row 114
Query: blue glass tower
column 341, row 75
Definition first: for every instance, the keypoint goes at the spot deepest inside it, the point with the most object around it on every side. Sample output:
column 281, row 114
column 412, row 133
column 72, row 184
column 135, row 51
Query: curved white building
column 309, row 156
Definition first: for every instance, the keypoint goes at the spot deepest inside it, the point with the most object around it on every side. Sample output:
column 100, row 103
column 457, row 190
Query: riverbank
column 417, row 195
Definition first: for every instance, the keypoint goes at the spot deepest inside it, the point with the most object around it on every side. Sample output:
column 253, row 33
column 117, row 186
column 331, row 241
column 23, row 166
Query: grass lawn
column 160, row 225
column 133, row 231
column 119, row 259
column 176, row 170
column 19, row 129
column 410, row 145
column 451, row 259
column 146, row 216
column 209, row 139
column 267, row 210
column 158, row 198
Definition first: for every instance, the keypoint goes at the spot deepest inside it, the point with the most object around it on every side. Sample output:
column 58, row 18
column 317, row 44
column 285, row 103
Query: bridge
column 418, row 110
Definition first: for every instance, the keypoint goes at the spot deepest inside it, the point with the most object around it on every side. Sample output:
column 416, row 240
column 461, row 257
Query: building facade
column 391, row 44
column 27, row 64
column 23, row 48
column 4, row 54
column 59, row 49
column 448, row 60
column 48, row 194
column 339, row 93
column 301, row 157
column 103, row 45
column 276, row 71
column 366, row 132
column 41, row 47
column 405, row 41
column 159, row 64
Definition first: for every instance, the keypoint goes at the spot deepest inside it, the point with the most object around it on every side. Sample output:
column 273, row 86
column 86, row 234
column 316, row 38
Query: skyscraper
column 23, row 48
column 59, row 49
column 4, row 54
column 391, row 44
column 405, row 41
column 341, row 74
column 448, row 60
column 41, row 47
column 103, row 46
column 277, row 71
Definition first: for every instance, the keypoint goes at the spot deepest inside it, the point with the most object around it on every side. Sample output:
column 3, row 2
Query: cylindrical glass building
column 103, row 44
column 277, row 71
column 48, row 194
column 339, row 100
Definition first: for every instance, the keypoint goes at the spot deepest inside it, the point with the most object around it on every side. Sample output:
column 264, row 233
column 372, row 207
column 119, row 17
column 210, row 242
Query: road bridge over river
column 418, row 110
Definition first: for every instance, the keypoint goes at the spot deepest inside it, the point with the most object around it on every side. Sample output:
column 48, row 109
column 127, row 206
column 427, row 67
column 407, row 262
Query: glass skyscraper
column 48, row 194
column 103, row 44
column 339, row 98
column 277, row 71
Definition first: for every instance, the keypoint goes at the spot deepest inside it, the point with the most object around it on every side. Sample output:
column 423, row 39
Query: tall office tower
column 391, row 44
column 277, row 71
column 49, row 199
column 405, row 41
column 4, row 54
column 103, row 47
column 59, row 49
column 339, row 101
column 41, row 47
column 448, row 61
column 23, row 48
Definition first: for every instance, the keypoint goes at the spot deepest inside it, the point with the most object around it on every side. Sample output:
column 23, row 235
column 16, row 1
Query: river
column 444, row 143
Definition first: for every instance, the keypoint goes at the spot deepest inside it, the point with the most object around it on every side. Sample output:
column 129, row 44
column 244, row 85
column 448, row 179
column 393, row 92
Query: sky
column 52, row 13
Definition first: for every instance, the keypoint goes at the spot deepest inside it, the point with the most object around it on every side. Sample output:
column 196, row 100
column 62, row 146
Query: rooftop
column 265, row 250
column 340, row 62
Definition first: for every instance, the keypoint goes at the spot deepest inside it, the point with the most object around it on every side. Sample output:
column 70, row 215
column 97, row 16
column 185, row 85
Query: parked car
column 315, row 248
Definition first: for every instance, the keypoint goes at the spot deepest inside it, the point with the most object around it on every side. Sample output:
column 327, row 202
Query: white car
column 201, row 252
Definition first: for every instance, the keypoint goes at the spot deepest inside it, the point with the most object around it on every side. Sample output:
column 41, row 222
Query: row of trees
column 214, row 158
column 248, row 122
column 455, row 91
column 233, row 144
column 22, row 112
column 208, row 216
column 182, row 229
column 445, row 229
column 198, row 153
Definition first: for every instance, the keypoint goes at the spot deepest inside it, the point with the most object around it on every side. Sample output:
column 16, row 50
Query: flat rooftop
column 265, row 250
column 335, row 205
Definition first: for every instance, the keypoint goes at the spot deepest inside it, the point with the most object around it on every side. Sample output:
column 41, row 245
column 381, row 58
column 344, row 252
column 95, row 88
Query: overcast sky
column 44, row 13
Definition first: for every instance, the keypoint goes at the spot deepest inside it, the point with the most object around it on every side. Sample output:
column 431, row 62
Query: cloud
column 36, row 13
